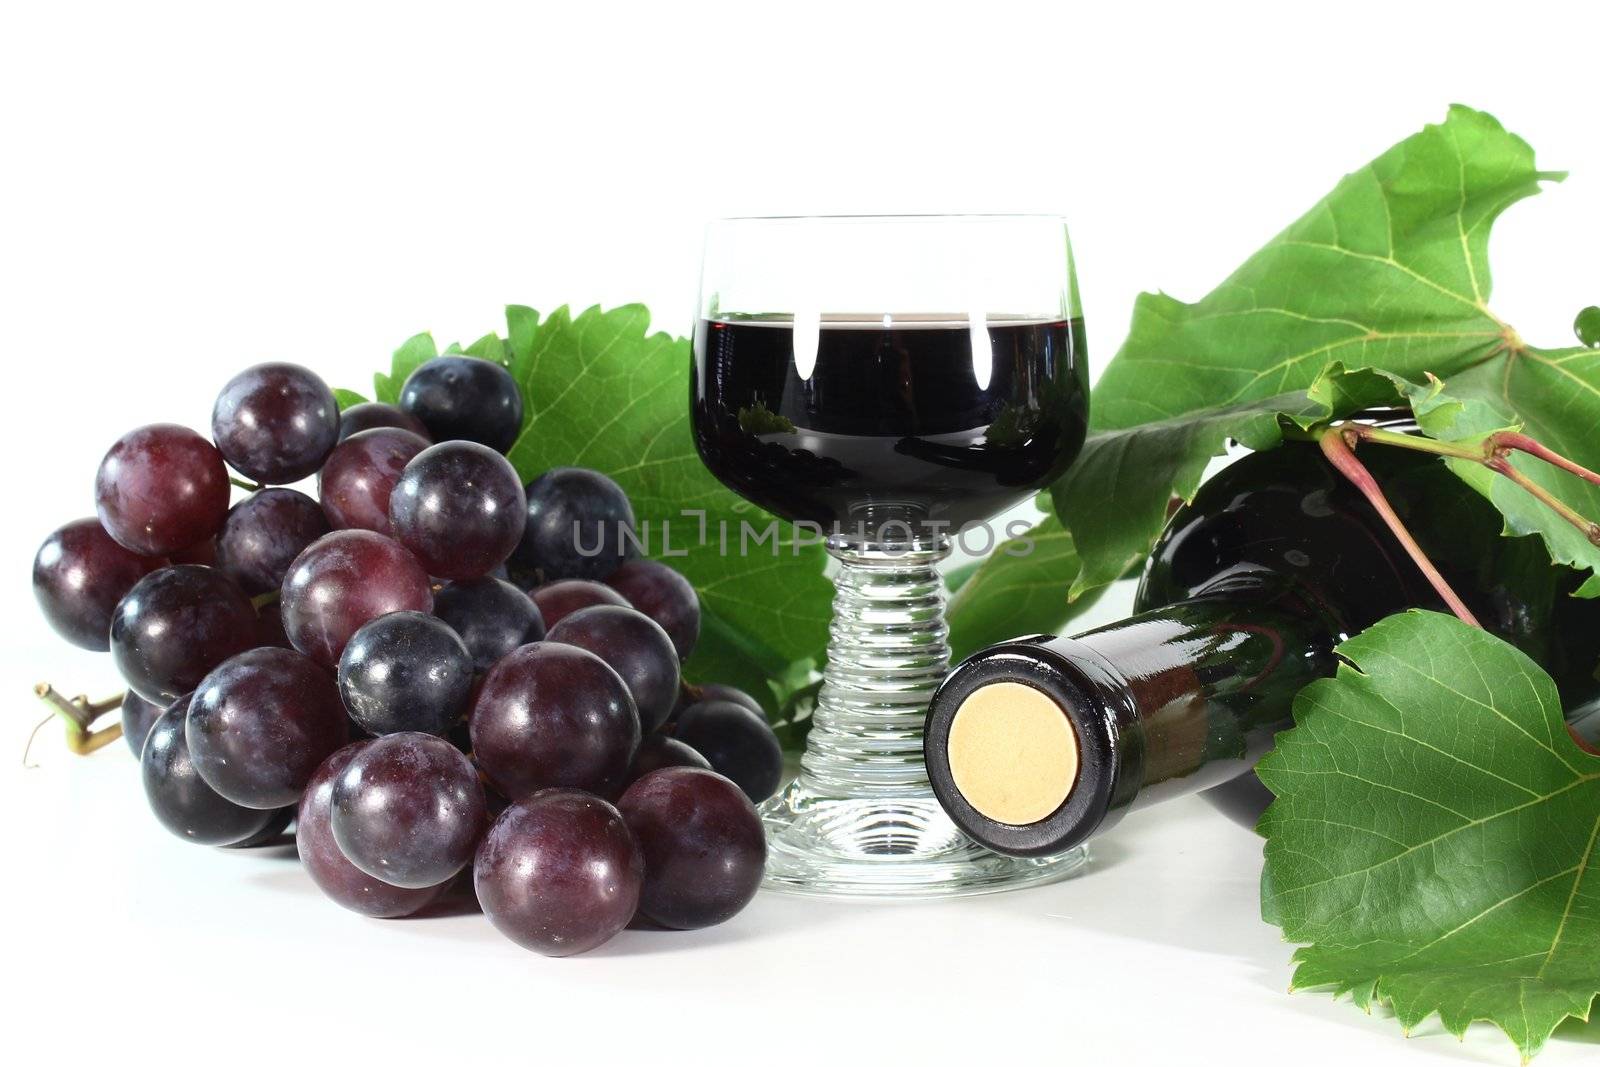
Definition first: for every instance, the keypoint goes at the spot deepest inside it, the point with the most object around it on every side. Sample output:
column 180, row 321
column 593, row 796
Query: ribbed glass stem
column 888, row 650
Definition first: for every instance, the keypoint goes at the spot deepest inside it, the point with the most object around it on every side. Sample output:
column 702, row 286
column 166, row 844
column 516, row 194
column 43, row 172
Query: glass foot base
column 887, row 848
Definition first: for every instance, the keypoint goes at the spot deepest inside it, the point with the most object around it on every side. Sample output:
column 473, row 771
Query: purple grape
column 708, row 691
column 371, row 416
column 580, row 525
column 275, row 422
column 202, row 553
column 270, row 627
column 493, row 617
column 160, row 489
column 360, row 474
column 663, row 594
column 405, row 671
column 176, row 624
column 138, row 715
column 264, row 533
column 180, row 798
column 737, row 742
column 458, row 506
column 79, row 574
column 462, row 398
column 636, row 647
column 553, row 715
column 336, row 876
column 559, row 873
column 658, row 751
column 342, row 582
column 557, row 600
column 409, row 810
column 261, row 723
column 704, row 850
column 270, row 834
column 718, row 691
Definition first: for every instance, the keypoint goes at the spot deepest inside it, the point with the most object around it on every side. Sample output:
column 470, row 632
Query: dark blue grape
column 704, row 850
column 409, row 810
column 261, row 723
column 636, row 647
column 264, row 533
column 79, row 574
column 462, row 398
column 176, row 624
column 138, row 715
column 559, row 873
column 270, row 834
column 737, row 742
column 458, row 506
column 181, row 799
column 405, row 671
column 697, row 694
column 580, row 525
column 493, row 617
column 275, row 422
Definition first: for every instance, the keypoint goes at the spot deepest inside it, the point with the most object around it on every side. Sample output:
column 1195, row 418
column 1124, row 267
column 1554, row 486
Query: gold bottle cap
column 1013, row 753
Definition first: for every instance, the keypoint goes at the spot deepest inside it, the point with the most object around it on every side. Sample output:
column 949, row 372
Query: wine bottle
column 1037, row 744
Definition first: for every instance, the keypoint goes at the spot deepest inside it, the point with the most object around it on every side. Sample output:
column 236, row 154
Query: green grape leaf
column 521, row 322
column 489, row 347
column 1389, row 271
column 347, row 398
column 1467, row 411
column 603, row 392
column 1435, row 841
column 1116, row 497
column 1018, row 588
column 407, row 358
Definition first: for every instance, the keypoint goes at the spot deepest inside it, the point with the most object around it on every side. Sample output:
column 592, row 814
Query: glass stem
column 887, row 652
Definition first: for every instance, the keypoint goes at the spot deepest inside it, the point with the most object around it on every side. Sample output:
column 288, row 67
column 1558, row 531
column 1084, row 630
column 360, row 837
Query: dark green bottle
column 1037, row 744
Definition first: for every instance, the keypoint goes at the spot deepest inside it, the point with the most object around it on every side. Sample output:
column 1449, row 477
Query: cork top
column 1013, row 753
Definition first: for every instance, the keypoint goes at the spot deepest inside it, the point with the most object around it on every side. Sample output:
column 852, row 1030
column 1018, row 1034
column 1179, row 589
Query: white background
column 185, row 190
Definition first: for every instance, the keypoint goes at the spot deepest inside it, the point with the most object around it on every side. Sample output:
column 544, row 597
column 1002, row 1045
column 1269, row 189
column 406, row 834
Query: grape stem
column 79, row 714
column 249, row 487
column 1493, row 452
column 1338, row 447
column 1338, row 443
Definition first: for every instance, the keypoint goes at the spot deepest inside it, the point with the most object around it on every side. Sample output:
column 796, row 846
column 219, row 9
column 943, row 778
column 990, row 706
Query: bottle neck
column 1205, row 684
column 1170, row 701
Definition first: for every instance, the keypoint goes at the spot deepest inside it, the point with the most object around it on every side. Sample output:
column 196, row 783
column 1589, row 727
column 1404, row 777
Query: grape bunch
column 425, row 665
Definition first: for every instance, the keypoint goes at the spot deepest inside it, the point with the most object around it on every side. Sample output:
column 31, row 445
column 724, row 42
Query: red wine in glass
column 878, row 426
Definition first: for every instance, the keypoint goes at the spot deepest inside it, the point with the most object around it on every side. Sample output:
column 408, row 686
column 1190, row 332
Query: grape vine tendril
column 79, row 714
column 1336, row 445
column 1494, row 453
column 1339, row 440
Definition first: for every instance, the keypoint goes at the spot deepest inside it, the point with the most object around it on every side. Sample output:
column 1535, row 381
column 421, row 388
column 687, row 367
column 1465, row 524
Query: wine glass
column 891, row 382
